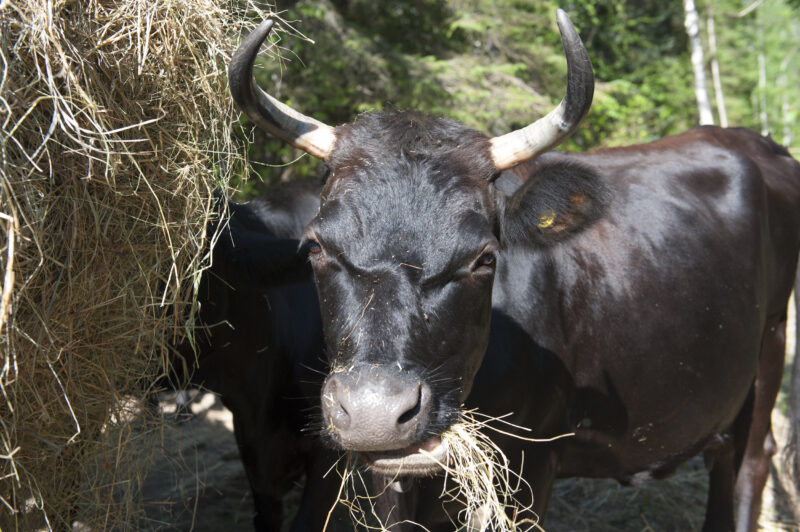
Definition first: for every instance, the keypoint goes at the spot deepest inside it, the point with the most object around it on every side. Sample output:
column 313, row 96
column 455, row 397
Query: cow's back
column 781, row 176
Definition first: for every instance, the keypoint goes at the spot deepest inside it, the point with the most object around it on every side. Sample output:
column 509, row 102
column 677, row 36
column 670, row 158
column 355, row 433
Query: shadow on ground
column 197, row 481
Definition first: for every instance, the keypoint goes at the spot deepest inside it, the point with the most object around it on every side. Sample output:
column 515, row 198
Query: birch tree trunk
column 783, row 86
column 762, row 91
column 693, row 31
column 712, row 50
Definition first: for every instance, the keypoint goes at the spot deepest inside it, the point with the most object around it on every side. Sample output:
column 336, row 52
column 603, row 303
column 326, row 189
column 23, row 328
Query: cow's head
column 404, row 250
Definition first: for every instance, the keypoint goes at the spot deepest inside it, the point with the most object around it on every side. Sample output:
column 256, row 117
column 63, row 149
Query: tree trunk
column 762, row 92
column 693, row 31
column 783, row 86
column 712, row 50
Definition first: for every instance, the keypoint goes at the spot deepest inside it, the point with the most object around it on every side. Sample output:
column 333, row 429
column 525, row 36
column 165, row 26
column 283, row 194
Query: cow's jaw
column 418, row 460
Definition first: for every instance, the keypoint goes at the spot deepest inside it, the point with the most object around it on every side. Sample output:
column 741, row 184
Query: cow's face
column 404, row 250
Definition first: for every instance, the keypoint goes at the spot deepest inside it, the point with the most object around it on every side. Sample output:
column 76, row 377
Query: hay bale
column 115, row 131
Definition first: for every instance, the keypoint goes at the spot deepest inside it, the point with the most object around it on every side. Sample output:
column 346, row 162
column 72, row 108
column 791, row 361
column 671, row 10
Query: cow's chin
column 419, row 460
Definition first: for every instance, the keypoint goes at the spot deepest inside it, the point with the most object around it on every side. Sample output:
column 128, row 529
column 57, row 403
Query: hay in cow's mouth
column 476, row 474
column 422, row 459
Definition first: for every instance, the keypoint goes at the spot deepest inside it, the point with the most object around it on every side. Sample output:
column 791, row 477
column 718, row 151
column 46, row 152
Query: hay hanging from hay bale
column 115, row 131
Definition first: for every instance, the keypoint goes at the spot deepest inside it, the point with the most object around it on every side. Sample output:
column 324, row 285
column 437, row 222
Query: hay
column 478, row 478
column 484, row 481
column 115, row 131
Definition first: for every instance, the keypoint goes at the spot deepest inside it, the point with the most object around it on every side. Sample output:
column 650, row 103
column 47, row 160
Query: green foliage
column 417, row 27
column 627, row 36
column 498, row 65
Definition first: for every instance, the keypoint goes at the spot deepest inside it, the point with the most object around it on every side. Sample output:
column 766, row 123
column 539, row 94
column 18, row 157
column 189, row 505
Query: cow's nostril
column 412, row 412
column 338, row 415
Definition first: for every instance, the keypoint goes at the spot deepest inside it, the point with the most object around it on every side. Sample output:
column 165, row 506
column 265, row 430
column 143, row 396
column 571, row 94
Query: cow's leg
column 541, row 468
column 719, row 510
column 760, row 444
column 268, row 509
column 394, row 502
column 273, row 457
column 319, row 510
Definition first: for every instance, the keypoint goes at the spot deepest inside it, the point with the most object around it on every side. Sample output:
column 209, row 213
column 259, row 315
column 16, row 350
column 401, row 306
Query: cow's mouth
column 418, row 460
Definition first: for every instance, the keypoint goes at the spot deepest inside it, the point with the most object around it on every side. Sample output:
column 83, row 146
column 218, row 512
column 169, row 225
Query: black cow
column 636, row 296
column 259, row 339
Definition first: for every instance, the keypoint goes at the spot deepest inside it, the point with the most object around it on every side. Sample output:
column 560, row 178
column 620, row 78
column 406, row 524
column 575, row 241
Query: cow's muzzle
column 376, row 409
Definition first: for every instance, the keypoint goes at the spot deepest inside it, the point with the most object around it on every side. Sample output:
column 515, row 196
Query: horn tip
column 263, row 29
column 562, row 19
column 245, row 55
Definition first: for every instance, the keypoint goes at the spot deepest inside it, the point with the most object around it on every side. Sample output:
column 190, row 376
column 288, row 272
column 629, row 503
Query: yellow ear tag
column 547, row 219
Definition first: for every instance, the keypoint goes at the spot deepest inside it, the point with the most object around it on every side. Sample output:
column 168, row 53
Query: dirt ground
column 197, row 484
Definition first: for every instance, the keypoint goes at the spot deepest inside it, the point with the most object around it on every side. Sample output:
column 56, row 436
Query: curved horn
column 266, row 112
column 531, row 141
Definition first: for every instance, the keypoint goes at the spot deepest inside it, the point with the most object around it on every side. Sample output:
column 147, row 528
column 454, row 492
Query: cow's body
column 259, row 340
column 652, row 319
column 636, row 296
column 659, row 309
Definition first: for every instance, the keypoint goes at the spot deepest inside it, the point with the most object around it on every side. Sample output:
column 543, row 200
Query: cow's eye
column 314, row 247
column 485, row 261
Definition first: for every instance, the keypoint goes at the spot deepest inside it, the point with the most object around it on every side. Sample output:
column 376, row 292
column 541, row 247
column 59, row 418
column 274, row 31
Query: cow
column 258, row 338
column 633, row 296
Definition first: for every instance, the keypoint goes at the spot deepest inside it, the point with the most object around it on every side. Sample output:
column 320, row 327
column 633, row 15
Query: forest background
column 496, row 65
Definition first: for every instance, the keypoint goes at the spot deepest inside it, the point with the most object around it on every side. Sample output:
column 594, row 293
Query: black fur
column 377, row 139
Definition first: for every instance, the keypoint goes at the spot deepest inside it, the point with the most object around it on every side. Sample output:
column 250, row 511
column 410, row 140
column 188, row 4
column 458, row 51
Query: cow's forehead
column 405, row 210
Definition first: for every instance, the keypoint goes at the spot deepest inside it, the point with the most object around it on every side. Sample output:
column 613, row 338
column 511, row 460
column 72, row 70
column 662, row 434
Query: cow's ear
column 557, row 200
